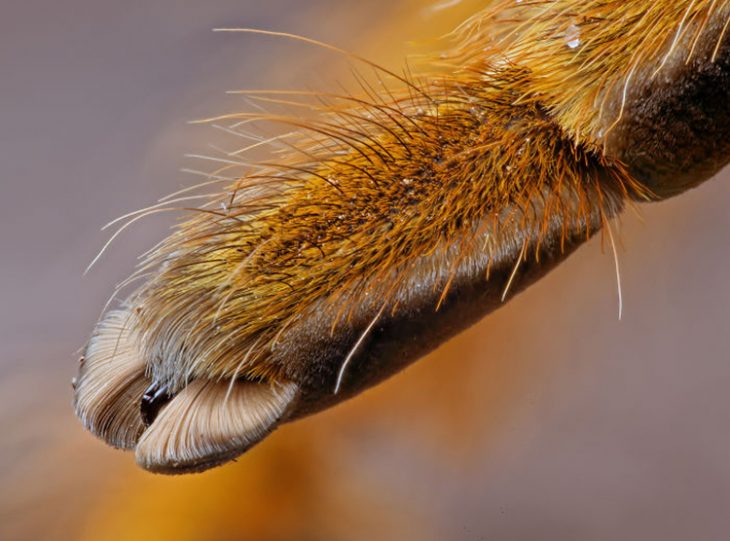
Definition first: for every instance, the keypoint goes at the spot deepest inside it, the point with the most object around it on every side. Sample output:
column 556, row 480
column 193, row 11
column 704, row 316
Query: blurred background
column 550, row 419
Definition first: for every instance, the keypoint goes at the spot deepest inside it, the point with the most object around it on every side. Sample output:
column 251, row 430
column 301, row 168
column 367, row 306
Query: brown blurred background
column 549, row 420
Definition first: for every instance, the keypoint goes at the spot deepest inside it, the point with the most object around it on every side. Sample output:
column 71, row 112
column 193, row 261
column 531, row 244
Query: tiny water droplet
column 572, row 36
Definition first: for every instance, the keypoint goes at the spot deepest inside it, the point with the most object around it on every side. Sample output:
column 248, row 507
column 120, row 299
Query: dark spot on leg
column 152, row 401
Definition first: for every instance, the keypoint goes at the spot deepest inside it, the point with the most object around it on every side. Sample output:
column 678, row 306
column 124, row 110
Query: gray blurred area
column 549, row 420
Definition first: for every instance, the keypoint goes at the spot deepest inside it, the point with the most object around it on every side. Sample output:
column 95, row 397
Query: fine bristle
column 209, row 423
column 111, row 381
